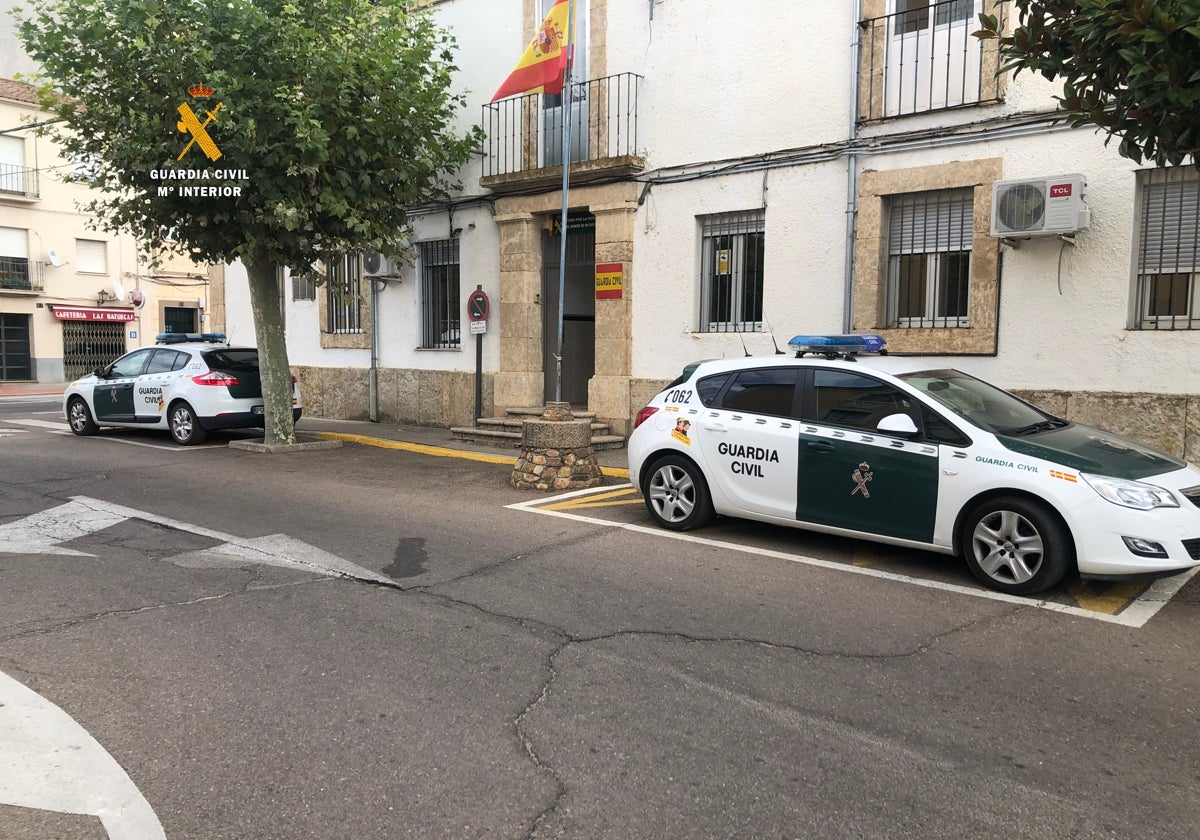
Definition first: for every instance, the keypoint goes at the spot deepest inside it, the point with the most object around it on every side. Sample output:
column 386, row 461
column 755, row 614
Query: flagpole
column 566, row 183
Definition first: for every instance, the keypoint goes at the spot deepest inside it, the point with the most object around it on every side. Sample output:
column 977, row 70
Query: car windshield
column 981, row 404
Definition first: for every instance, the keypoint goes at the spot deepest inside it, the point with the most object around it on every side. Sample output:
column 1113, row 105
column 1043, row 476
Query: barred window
column 343, row 275
column 440, row 317
column 303, row 288
column 731, row 272
column 929, row 258
column 1168, row 249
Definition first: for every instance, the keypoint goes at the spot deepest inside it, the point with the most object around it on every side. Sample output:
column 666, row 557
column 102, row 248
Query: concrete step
column 506, row 431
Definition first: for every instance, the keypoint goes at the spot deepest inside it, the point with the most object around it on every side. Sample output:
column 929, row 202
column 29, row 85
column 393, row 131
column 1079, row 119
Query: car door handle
column 820, row 446
column 715, row 427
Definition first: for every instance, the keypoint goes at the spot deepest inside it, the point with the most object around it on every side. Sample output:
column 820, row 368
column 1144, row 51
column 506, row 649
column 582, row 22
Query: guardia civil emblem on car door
column 861, row 476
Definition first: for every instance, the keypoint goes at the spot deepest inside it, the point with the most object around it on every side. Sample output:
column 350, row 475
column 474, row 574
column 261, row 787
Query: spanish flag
column 541, row 68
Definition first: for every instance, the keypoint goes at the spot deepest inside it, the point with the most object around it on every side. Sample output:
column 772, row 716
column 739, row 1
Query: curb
column 441, row 451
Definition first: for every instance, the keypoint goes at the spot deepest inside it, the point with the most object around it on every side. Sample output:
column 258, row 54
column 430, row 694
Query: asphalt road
column 370, row 643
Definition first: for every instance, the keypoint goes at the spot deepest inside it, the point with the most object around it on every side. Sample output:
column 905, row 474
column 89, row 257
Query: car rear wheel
column 1017, row 546
column 676, row 494
column 185, row 427
column 80, row 418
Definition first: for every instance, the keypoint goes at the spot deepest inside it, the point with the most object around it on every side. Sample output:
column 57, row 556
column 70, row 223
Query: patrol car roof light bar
column 837, row 346
column 184, row 338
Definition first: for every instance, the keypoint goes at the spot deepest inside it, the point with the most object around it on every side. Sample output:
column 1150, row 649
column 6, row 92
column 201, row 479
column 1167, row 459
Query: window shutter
column 1170, row 227
column 14, row 242
column 90, row 256
column 930, row 222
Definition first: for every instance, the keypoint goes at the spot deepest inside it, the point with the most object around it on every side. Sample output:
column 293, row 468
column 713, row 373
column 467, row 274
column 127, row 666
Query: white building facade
column 745, row 172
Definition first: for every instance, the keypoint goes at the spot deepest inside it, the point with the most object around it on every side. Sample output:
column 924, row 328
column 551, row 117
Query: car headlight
column 1130, row 494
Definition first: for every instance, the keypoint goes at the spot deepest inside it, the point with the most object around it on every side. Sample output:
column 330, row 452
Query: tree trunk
column 266, row 305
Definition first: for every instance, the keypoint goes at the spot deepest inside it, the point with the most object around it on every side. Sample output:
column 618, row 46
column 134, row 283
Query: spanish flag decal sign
column 541, row 68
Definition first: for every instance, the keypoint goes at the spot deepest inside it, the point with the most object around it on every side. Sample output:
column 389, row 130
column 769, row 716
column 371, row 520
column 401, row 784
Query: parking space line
column 613, row 498
column 1134, row 616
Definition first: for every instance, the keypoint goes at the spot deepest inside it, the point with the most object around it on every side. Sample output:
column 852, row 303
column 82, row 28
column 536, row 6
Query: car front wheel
column 80, row 419
column 677, row 494
column 1017, row 546
column 185, row 427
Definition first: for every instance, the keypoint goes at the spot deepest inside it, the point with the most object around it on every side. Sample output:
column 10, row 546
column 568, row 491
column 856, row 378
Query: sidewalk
column 429, row 439
column 21, row 389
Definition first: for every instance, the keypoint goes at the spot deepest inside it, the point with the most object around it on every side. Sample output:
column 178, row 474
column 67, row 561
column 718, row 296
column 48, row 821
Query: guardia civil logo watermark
column 198, row 123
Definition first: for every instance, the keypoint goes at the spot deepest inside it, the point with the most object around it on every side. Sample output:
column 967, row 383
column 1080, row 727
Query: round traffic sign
column 478, row 305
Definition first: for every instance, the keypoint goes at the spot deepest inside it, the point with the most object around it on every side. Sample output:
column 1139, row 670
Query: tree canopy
column 271, row 131
column 1129, row 67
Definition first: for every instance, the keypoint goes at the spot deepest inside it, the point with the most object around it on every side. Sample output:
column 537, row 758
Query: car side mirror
column 99, row 373
column 900, row 425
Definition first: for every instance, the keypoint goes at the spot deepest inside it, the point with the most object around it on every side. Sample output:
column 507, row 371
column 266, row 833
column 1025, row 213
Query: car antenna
column 745, row 349
column 771, row 332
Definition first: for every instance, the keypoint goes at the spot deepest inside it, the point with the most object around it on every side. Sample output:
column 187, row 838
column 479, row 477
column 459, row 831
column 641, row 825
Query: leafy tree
column 1130, row 67
column 340, row 112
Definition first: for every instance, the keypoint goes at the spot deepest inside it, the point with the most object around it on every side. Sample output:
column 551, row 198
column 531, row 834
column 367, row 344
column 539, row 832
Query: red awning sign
column 92, row 313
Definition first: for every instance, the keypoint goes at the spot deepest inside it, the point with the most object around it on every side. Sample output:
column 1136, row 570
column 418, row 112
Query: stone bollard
column 556, row 452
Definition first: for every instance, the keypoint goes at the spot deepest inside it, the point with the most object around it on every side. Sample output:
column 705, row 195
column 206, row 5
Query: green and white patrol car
column 843, row 439
column 191, row 384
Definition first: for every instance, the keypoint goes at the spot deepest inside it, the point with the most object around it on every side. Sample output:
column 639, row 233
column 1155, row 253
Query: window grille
column 440, row 311
column 929, row 258
column 303, row 288
column 1168, row 249
column 731, row 271
column 343, row 276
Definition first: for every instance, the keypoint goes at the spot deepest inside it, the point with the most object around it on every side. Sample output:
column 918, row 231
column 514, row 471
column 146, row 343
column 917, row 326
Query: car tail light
column 643, row 415
column 216, row 377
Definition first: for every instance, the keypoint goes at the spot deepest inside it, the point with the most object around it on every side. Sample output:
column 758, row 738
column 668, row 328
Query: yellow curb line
column 441, row 451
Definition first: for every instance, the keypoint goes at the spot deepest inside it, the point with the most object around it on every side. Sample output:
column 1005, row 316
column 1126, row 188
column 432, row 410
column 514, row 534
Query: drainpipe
column 373, row 374
column 852, row 169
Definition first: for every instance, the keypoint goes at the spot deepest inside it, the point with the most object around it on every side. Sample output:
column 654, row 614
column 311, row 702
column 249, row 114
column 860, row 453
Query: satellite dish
column 119, row 290
column 138, row 298
column 53, row 258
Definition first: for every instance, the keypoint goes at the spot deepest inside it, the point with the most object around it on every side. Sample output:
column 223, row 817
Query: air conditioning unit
column 376, row 264
column 1039, row 206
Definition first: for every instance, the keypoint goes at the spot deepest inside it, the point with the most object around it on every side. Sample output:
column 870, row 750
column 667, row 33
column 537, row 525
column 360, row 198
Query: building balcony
column 18, row 182
column 523, row 148
column 18, row 274
column 924, row 59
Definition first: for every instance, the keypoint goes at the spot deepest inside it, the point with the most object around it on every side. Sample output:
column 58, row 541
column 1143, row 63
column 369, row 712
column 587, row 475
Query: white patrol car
column 846, row 440
column 191, row 383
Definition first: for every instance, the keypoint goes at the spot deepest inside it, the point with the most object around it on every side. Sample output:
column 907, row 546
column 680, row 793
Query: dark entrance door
column 179, row 319
column 579, row 307
column 15, row 359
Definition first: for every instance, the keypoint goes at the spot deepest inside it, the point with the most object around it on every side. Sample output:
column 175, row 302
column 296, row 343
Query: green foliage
column 340, row 112
column 1129, row 67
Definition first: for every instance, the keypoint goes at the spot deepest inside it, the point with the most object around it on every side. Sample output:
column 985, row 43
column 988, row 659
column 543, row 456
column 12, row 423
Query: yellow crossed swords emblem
column 190, row 123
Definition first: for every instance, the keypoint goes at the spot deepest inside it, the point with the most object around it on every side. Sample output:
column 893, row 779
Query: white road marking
column 11, row 432
column 41, row 533
column 1143, row 608
column 40, row 424
column 51, row 763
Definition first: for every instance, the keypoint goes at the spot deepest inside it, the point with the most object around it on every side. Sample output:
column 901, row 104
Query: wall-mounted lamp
column 104, row 296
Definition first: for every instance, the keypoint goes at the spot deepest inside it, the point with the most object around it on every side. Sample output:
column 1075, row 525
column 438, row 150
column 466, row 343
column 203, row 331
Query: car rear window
column 243, row 360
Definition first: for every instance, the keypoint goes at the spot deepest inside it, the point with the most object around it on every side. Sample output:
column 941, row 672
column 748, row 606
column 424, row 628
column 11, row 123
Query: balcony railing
column 19, row 181
column 525, row 133
column 18, row 274
column 925, row 59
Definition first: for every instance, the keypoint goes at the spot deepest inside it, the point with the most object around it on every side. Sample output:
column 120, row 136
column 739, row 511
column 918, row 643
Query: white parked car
column 189, row 383
column 843, row 439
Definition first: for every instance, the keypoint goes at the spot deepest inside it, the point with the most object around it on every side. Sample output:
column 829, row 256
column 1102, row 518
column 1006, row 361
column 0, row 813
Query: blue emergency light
column 837, row 345
column 183, row 338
